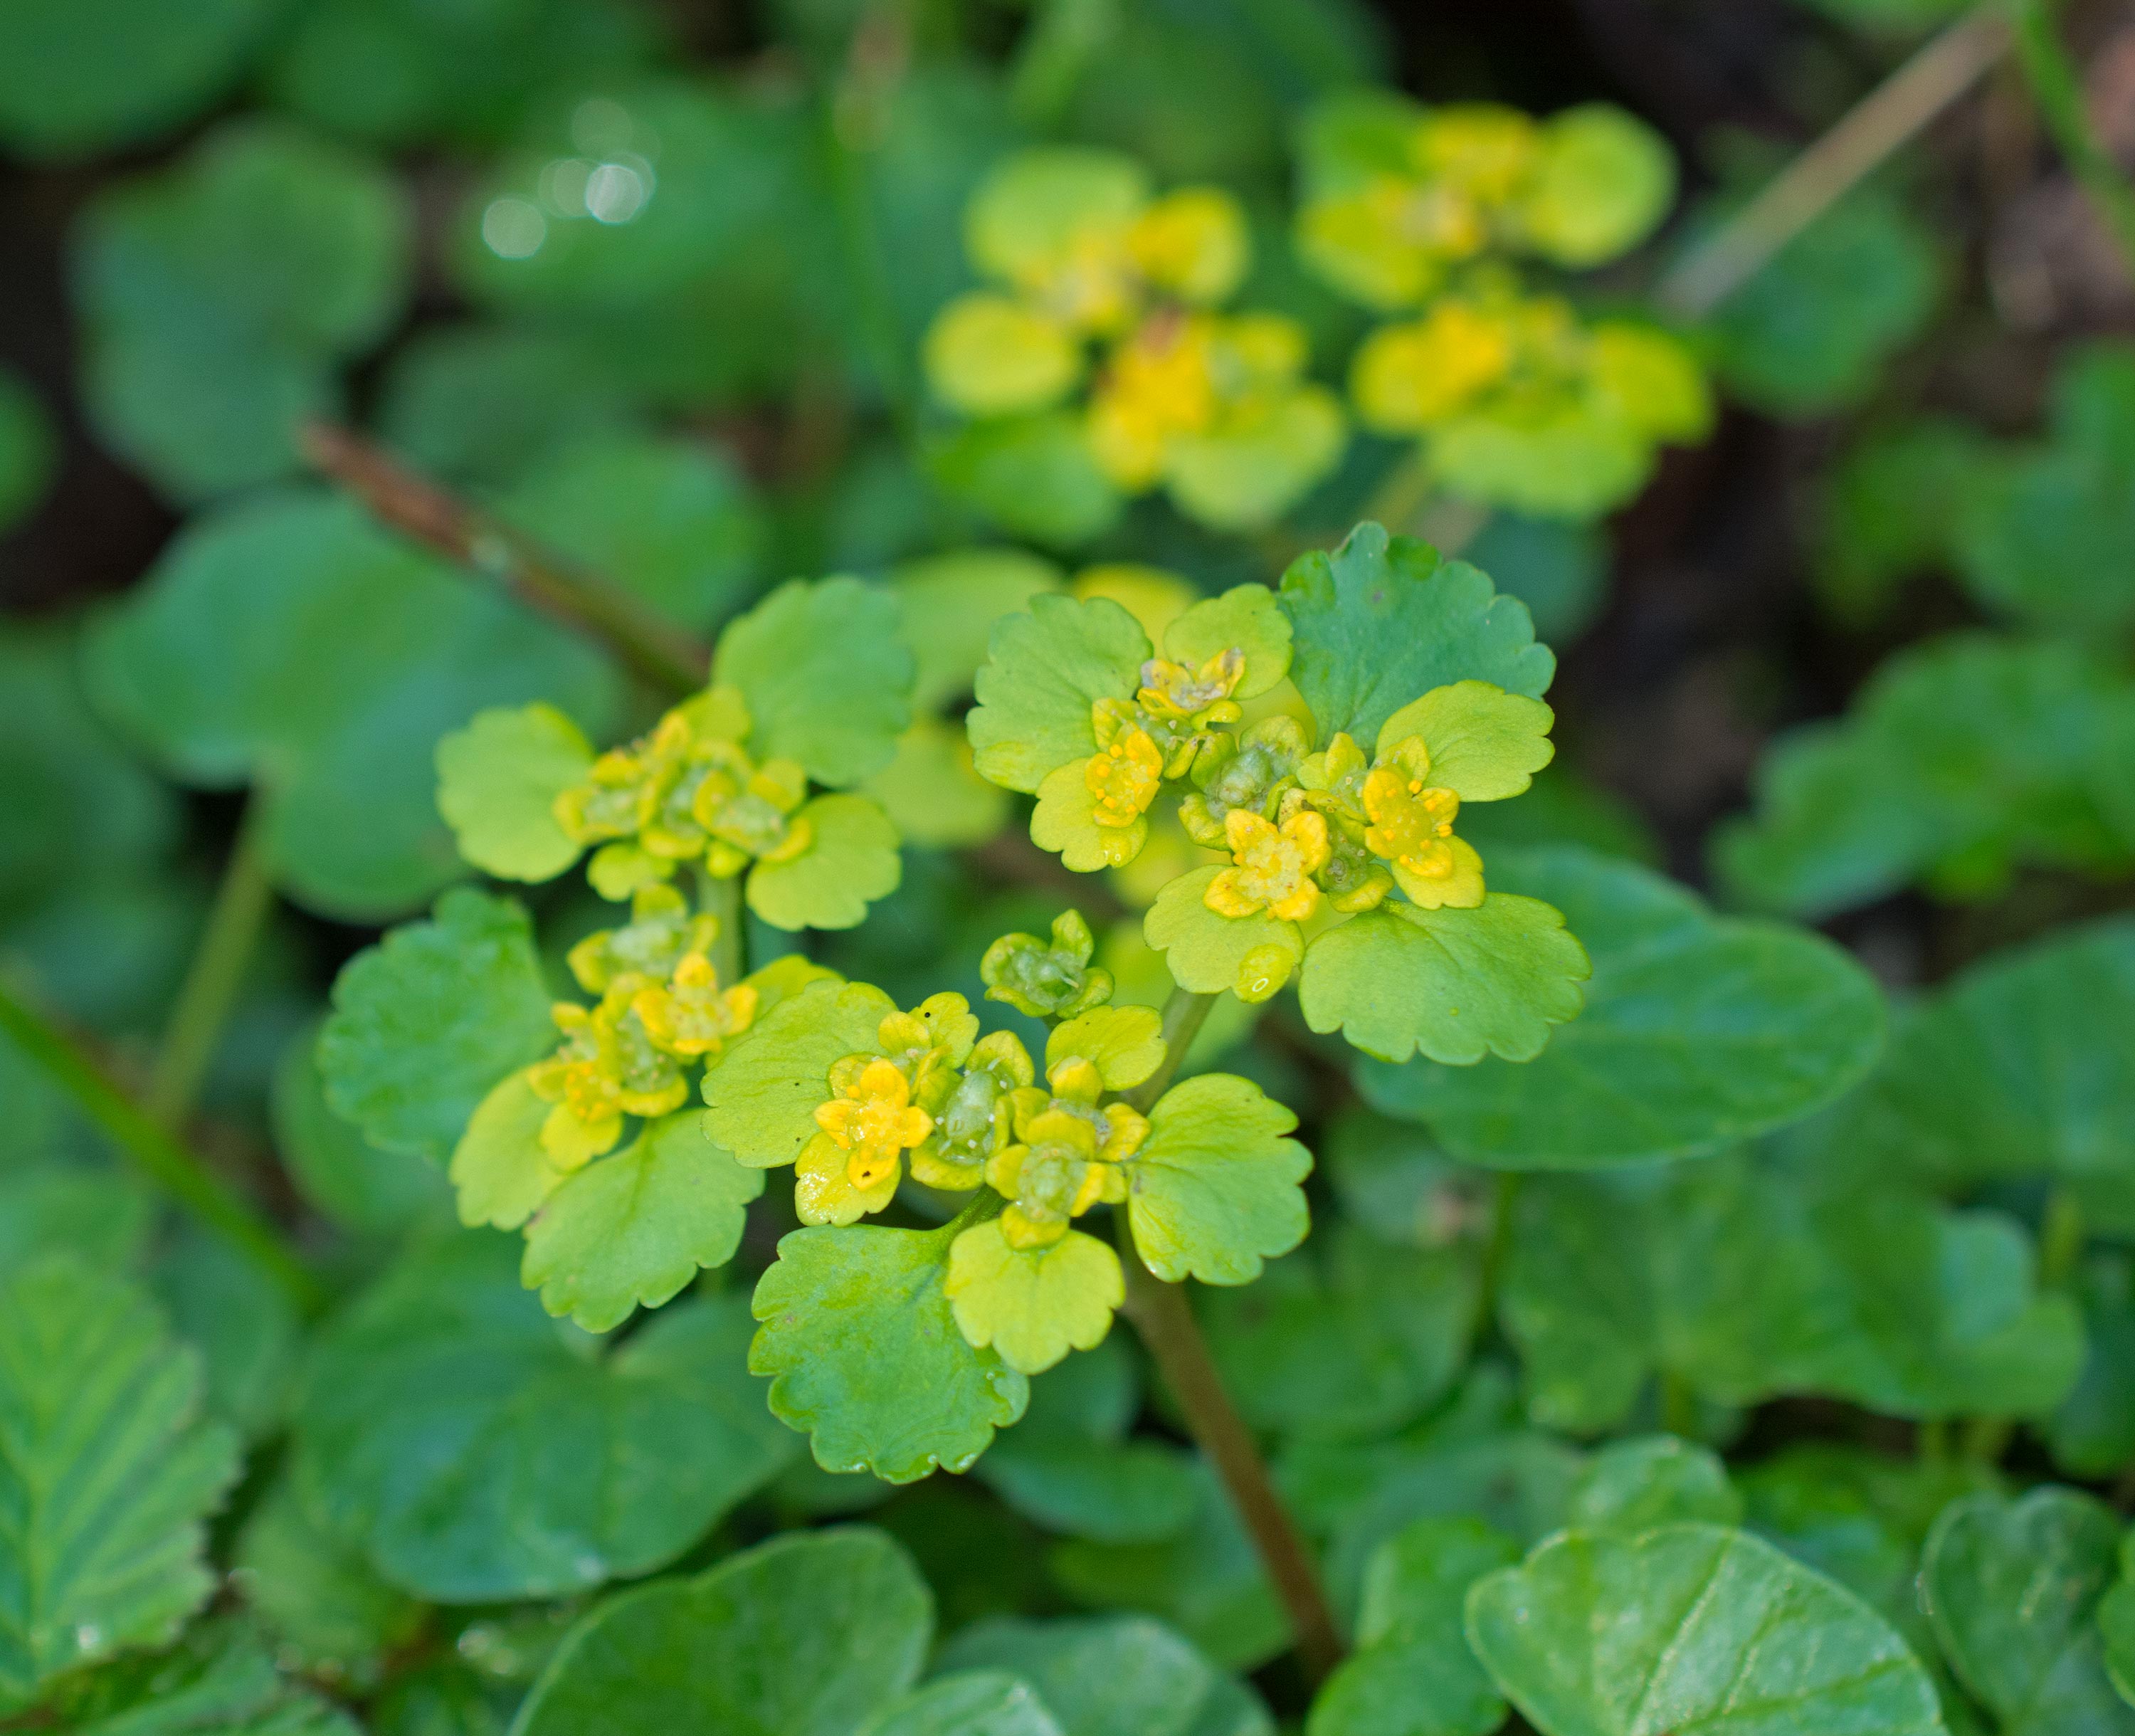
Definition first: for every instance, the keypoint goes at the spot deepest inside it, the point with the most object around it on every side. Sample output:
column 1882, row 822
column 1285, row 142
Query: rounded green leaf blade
column 1216, row 1188
column 1044, row 670
column 497, row 783
column 851, row 862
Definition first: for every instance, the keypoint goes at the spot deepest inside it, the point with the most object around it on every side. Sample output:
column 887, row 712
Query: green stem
column 1161, row 1315
column 160, row 1155
column 214, row 976
column 1678, row 1405
column 1948, row 66
column 1931, row 1443
column 2059, row 93
column 722, row 898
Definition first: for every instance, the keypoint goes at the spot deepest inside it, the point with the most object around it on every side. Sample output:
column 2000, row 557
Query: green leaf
column 1044, row 672
column 1381, row 622
column 2015, row 1069
column 1069, row 1466
column 1245, row 617
column 325, row 1607
column 1605, row 181
column 1412, row 1674
column 851, row 862
column 426, row 1023
column 220, row 1681
column 1890, row 512
column 1485, row 744
column 1111, row 1675
column 1032, row 476
column 980, row 1702
column 667, row 519
column 1349, row 1338
column 500, row 1169
column 827, row 675
column 1631, row 1486
column 479, row 1455
column 1246, row 476
column 1811, row 332
column 631, row 1230
column 218, row 295
column 1747, row 1280
column 2116, row 1626
column 990, row 354
column 1691, row 1626
column 362, row 1186
column 1699, row 1032
column 1125, row 1043
column 1452, row 985
column 802, row 1635
column 1961, row 759
column 2093, row 1433
column 63, row 92
column 1207, row 951
column 243, row 1323
column 106, row 1474
column 764, row 1090
column 287, row 639
column 2012, row 1588
column 102, row 1217
column 856, row 1323
column 950, row 604
column 497, row 783
column 1216, row 1187
column 1038, row 203
column 1033, row 1306
column 930, row 794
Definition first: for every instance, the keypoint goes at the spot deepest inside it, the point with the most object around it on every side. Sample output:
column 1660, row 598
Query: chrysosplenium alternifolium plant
column 1101, row 337
column 1323, row 737
column 1519, row 400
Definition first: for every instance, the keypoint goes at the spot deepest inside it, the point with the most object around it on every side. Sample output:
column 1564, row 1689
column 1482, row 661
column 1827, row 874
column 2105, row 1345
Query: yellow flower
column 1411, row 376
column 1192, row 242
column 872, row 1118
column 1171, row 690
column 661, row 930
column 606, row 1068
column 1160, row 385
column 1070, row 1155
column 1124, row 777
column 1411, row 827
column 747, row 810
column 617, row 797
column 1273, row 865
column 691, row 1014
column 1484, row 149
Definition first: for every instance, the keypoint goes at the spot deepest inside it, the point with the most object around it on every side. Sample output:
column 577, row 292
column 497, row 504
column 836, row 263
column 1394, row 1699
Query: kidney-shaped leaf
column 1692, row 1626
column 1699, row 1030
column 478, row 1455
column 805, row 1635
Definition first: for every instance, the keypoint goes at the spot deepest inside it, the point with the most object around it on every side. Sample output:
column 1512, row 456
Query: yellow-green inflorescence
column 662, row 1009
column 1423, row 216
column 1103, row 305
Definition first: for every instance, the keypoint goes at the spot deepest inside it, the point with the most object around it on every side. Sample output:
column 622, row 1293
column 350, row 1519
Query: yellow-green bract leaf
column 1033, row 1306
column 827, row 675
column 1044, row 671
column 1453, row 985
column 1692, row 1626
column 1031, row 211
column 107, row 1475
column 479, row 1452
column 950, row 603
column 1604, row 180
column 1485, row 744
column 972, row 1703
column 497, row 783
column 764, row 1090
column 629, row 1231
column 1113, row 1675
column 1215, row 1191
column 1699, row 1032
column 502, row 1170
column 1204, row 947
column 804, row 1635
column 851, row 861
column 933, row 795
column 1125, row 1042
column 1381, row 622
column 1245, row 617
column 865, row 1355
column 1066, row 820
column 2013, row 1587
column 1246, row 476
column 992, row 356
column 426, row 1023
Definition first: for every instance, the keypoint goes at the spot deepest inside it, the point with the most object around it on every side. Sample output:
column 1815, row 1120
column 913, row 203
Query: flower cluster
column 1517, row 400
column 686, row 792
column 661, row 1009
column 1103, row 289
